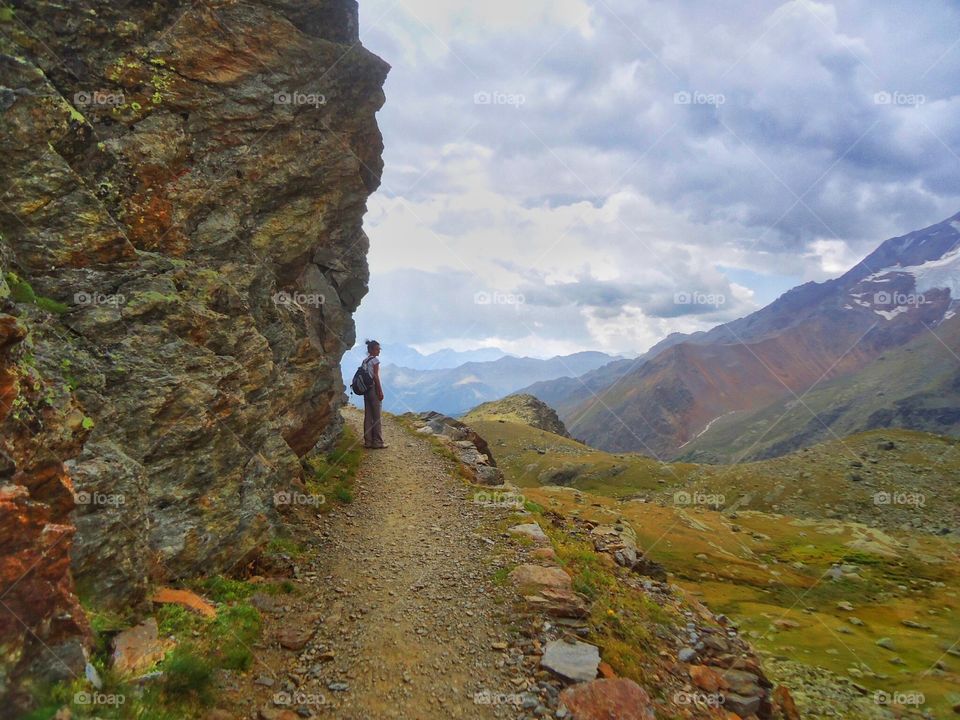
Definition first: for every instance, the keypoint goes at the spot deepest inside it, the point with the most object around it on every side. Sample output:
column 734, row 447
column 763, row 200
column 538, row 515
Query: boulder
column 742, row 706
column 138, row 648
column 606, row 699
column 707, row 678
column 537, row 577
column 575, row 661
column 532, row 531
column 558, row 602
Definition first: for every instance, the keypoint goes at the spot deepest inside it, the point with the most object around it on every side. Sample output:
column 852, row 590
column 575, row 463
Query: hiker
column 372, row 399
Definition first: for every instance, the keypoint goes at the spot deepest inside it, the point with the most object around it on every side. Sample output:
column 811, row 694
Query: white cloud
column 600, row 195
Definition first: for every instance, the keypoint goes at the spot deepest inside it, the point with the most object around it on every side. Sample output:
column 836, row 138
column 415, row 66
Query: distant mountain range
column 878, row 346
column 455, row 390
column 408, row 357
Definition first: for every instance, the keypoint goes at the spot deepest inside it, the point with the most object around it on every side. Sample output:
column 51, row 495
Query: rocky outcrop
column 523, row 408
column 471, row 450
column 180, row 235
column 43, row 632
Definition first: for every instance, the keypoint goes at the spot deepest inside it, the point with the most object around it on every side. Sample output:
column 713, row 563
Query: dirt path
column 409, row 622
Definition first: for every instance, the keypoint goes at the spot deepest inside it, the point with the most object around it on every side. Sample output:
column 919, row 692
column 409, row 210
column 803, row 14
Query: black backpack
column 362, row 380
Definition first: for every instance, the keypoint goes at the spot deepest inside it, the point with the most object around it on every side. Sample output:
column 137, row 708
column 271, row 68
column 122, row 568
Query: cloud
column 598, row 159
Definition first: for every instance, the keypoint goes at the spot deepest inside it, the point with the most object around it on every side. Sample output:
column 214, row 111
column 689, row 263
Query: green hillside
column 837, row 561
column 915, row 386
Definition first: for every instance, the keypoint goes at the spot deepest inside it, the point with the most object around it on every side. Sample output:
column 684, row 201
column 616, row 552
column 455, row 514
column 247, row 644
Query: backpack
column 362, row 380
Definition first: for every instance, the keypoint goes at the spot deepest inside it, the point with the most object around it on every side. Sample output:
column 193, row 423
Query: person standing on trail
column 373, row 399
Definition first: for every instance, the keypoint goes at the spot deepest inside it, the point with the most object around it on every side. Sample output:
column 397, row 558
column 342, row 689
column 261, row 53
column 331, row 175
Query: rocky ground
column 397, row 615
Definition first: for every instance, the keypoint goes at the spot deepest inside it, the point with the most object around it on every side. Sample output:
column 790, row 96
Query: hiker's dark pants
column 372, row 433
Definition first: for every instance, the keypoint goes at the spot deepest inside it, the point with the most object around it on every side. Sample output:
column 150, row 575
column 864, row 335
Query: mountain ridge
column 812, row 333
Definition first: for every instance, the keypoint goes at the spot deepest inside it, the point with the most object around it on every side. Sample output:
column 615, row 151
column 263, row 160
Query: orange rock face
column 41, row 622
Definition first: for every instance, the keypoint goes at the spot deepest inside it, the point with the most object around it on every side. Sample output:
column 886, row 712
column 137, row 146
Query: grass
column 225, row 590
column 186, row 687
column 285, row 546
column 622, row 620
column 188, row 674
column 750, row 576
column 332, row 474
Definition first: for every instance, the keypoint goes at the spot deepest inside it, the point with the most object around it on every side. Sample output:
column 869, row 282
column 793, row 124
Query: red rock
column 618, row 698
column 706, row 678
column 185, row 598
column 606, row 671
column 295, row 638
column 40, row 610
column 138, row 648
column 559, row 603
column 547, row 553
column 784, row 700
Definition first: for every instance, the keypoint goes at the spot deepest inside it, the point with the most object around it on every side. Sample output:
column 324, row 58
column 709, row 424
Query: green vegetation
column 22, row 292
column 187, row 674
column 185, row 689
column 284, row 546
column 332, row 474
column 622, row 619
column 779, row 555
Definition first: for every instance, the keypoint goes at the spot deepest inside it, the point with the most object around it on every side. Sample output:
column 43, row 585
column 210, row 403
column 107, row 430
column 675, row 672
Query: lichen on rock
column 188, row 181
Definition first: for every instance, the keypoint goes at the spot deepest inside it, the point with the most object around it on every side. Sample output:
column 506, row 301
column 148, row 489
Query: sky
column 566, row 175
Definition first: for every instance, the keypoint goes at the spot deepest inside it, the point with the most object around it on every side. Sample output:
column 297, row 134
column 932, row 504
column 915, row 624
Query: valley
column 840, row 582
column 874, row 347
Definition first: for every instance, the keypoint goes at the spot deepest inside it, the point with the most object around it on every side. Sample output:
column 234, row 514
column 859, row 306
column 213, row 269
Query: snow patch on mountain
column 936, row 274
column 891, row 314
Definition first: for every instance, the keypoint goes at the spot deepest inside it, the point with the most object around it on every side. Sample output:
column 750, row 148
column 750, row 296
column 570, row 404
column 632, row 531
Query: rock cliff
column 183, row 187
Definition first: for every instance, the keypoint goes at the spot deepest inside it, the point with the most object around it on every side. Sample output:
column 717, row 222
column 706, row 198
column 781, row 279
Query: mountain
column 522, row 408
column 812, row 334
column 916, row 386
column 408, row 357
column 455, row 390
